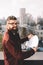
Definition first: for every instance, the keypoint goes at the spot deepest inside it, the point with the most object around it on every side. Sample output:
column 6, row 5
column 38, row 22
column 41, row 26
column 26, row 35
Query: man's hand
column 35, row 49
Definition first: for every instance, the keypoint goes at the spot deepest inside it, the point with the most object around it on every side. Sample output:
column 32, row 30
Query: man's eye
column 10, row 23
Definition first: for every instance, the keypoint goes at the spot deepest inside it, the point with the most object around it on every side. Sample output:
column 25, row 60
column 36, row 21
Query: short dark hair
column 11, row 18
column 31, row 31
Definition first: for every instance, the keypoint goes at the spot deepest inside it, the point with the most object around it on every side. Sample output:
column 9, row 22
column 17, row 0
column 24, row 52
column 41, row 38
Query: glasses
column 13, row 23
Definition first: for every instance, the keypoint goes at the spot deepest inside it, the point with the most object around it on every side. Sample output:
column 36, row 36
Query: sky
column 12, row 7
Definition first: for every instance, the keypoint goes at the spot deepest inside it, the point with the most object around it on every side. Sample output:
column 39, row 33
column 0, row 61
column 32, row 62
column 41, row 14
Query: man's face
column 12, row 24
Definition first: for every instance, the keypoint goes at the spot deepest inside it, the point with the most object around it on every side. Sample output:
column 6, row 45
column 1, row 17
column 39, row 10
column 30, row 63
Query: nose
column 14, row 26
column 11, row 26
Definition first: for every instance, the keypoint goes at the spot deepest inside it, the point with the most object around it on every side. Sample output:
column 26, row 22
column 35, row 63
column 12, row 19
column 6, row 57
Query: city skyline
column 12, row 7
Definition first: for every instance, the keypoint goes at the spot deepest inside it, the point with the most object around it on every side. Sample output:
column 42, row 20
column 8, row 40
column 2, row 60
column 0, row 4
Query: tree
column 40, row 21
column 0, row 27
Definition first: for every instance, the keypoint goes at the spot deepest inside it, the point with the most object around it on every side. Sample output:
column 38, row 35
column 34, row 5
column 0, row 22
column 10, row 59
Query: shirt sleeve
column 34, row 42
column 23, row 40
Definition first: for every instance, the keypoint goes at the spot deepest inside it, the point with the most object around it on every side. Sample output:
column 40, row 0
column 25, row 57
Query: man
column 12, row 43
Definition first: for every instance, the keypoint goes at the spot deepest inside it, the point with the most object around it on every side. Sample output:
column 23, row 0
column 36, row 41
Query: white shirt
column 33, row 42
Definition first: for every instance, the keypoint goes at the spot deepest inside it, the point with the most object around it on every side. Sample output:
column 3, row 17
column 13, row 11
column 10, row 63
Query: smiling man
column 12, row 43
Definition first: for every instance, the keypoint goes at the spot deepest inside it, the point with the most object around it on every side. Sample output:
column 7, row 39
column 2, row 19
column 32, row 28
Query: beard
column 14, row 31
